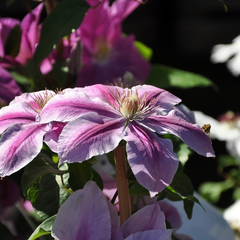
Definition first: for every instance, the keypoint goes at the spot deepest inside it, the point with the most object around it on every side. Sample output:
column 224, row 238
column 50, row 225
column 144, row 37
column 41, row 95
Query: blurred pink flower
column 106, row 54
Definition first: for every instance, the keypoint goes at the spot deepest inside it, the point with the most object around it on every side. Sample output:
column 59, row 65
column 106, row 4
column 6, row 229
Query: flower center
column 131, row 106
column 101, row 50
column 40, row 100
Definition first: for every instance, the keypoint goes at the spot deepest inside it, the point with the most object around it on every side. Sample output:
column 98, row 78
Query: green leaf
column 227, row 160
column 40, row 166
column 145, row 51
column 12, row 44
column 43, row 229
column 236, row 194
column 44, row 196
column 80, row 173
column 9, row 2
column 58, row 75
column 224, row 5
column 213, row 190
column 137, row 189
column 19, row 78
column 183, row 153
column 183, row 190
column 166, row 77
column 66, row 16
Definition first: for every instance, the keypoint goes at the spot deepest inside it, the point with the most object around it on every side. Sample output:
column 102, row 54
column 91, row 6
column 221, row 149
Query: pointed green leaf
column 80, row 173
column 213, row 190
column 137, row 189
column 43, row 229
column 181, row 189
column 40, row 166
column 44, row 196
column 166, row 77
column 145, row 51
column 9, row 2
column 13, row 41
column 66, row 16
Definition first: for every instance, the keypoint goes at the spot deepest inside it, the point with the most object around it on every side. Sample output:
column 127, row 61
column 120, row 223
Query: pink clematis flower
column 97, row 218
column 106, row 55
column 134, row 115
column 22, row 134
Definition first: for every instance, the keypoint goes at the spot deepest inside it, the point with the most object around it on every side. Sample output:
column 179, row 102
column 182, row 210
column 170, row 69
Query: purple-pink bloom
column 88, row 215
column 22, row 133
column 135, row 115
column 106, row 54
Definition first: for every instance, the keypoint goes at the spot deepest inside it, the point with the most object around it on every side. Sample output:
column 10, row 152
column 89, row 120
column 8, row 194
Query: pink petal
column 120, row 9
column 116, row 232
column 151, row 235
column 84, row 215
column 191, row 134
column 148, row 218
column 51, row 137
column 19, row 145
column 72, row 105
column 14, row 114
column 163, row 99
column 89, row 136
column 151, row 158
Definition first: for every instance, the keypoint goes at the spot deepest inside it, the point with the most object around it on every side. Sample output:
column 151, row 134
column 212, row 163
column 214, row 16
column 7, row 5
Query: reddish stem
column 122, row 183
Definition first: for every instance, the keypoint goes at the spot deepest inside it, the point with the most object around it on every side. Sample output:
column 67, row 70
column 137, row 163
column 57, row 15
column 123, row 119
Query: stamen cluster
column 131, row 106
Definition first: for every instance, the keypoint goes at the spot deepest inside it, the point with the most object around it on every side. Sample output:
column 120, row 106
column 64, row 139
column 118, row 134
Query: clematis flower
column 226, row 128
column 88, row 215
column 106, row 55
column 229, row 53
column 22, row 133
column 134, row 115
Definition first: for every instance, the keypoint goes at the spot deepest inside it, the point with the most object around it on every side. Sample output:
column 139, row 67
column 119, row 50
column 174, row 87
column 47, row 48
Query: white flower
column 226, row 129
column 229, row 53
column 232, row 216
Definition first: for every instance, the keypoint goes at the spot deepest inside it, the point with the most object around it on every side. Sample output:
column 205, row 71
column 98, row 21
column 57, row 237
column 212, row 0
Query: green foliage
column 80, row 173
column 227, row 160
column 236, row 194
column 40, row 166
column 40, row 185
column 166, row 77
column 9, row 2
column 213, row 190
column 145, row 51
column 12, row 44
column 181, row 189
column 183, row 153
column 66, row 16
column 136, row 189
column 44, row 196
column 43, row 229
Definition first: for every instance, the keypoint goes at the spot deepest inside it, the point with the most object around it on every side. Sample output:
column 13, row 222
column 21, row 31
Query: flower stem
column 122, row 183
